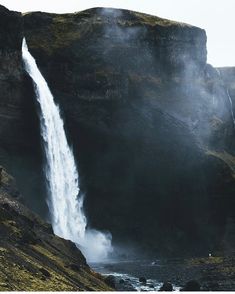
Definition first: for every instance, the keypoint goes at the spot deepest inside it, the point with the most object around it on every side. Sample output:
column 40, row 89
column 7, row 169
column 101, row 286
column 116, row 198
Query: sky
column 215, row 16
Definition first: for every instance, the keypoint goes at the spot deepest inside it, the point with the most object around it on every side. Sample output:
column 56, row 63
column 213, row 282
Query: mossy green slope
column 59, row 31
column 32, row 258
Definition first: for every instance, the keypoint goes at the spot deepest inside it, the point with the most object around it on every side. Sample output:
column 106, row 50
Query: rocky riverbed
column 207, row 273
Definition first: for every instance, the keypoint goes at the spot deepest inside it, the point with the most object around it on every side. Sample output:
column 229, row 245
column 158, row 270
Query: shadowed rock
column 31, row 254
column 167, row 286
column 191, row 286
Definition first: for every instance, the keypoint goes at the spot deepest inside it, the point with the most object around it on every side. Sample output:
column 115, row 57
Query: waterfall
column 65, row 203
column 229, row 98
column 231, row 107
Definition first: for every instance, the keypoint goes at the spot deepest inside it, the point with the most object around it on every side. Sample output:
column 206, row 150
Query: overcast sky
column 217, row 17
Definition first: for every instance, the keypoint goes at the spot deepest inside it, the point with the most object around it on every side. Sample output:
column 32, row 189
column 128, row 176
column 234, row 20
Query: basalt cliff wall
column 149, row 121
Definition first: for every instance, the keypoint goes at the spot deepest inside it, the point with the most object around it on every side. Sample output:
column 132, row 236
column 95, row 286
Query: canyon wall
column 149, row 121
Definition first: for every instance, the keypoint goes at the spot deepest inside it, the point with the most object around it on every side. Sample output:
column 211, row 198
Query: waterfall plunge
column 65, row 204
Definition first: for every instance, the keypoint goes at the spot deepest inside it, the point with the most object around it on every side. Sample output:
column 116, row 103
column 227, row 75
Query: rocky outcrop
column 32, row 257
column 150, row 123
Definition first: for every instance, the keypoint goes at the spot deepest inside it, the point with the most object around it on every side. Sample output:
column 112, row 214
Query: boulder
column 110, row 280
column 143, row 280
column 167, row 286
column 192, row 286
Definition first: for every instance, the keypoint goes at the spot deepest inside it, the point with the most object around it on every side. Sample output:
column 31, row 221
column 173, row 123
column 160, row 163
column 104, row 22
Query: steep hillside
column 32, row 257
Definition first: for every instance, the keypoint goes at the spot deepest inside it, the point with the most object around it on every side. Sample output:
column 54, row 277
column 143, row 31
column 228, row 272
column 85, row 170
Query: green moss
column 154, row 20
column 59, row 34
column 20, row 268
column 64, row 29
column 228, row 270
column 29, row 278
column 64, row 32
column 10, row 224
column 206, row 260
column 85, row 277
column 44, row 251
column 5, row 178
column 33, row 259
column 3, row 250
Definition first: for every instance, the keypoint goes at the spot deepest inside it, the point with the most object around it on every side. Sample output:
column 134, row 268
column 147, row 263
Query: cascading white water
column 231, row 106
column 65, row 204
column 229, row 98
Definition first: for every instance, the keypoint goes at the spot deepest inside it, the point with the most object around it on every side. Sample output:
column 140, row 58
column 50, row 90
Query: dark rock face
column 11, row 80
column 19, row 127
column 149, row 121
column 31, row 254
column 11, row 30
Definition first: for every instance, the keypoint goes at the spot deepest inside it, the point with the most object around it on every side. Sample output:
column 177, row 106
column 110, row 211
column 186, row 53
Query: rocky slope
column 150, row 123
column 32, row 257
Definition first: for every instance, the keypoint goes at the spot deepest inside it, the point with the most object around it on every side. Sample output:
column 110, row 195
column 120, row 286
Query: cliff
column 13, row 102
column 32, row 257
column 149, row 121
column 19, row 144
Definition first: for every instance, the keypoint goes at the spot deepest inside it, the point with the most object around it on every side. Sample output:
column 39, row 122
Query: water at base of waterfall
column 127, row 273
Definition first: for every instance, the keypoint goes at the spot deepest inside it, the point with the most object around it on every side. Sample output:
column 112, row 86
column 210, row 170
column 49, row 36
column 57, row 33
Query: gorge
column 149, row 120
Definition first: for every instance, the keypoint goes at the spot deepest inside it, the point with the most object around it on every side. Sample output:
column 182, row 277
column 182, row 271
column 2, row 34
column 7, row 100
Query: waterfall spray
column 65, row 202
